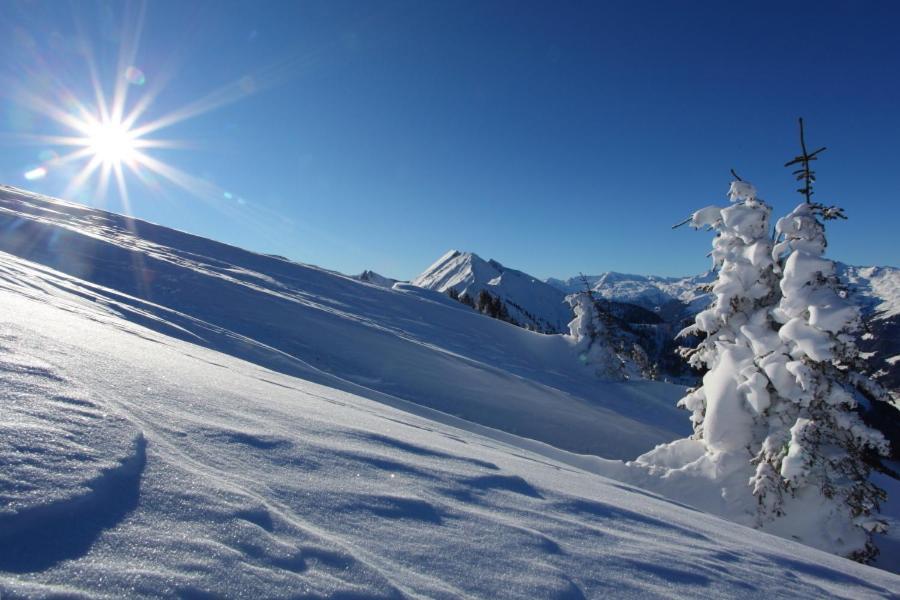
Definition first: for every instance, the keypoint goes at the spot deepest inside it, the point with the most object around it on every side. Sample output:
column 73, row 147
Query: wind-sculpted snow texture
column 301, row 320
column 71, row 464
column 137, row 464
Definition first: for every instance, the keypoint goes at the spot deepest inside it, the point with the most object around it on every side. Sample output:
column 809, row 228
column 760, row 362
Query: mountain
column 528, row 301
column 638, row 337
column 876, row 290
column 305, row 321
column 670, row 297
column 184, row 418
column 652, row 309
column 376, row 279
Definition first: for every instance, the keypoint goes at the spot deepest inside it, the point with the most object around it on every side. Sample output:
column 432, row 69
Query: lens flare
column 35, row 174
column 135, row 76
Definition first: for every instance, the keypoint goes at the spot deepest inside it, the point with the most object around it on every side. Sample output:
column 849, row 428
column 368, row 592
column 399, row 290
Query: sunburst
column 107, row 142
column 107, row 137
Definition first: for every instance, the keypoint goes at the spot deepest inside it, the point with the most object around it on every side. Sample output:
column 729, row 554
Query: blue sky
column 556, row 137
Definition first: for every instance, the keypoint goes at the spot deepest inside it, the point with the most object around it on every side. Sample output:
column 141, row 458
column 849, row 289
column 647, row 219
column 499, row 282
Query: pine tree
column 483, row 302
column 817, row 442
column 776, row 405
column 736, row 326
column 784, row 375
column 592, row 333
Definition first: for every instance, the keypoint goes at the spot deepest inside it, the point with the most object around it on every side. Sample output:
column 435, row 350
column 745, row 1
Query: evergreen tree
column 484, row 303
column 776, row 408
column 817, row 442
column 591, row 331
column 736, row 326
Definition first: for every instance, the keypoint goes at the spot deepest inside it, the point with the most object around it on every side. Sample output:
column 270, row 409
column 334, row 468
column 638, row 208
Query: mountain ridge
column 675, row 300
column 528, row 301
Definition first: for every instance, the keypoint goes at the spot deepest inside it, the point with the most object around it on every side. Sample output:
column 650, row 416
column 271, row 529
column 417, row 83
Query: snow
column 592, row 340
column 877, row 288
column 790, row 462
column 741, row 190
column 255, row 483
column 173, row 445
column 376, row 279
column 529, row 301
column 796, row 463
column 302, row 320
column 728, row 424
column 671, row 296
column 809, row 341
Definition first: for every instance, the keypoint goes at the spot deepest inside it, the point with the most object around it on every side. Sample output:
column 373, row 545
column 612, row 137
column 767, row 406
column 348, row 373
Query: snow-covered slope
column 529, row 301
column 301, row 320
column 376, row 279
column 876, row 289
column 136, row 460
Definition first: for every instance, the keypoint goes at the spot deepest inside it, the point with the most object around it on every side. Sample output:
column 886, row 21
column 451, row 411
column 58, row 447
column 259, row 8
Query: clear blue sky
column 556, row 137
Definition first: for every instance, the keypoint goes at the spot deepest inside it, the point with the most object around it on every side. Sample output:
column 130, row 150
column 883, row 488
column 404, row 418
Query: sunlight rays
column 108, row 134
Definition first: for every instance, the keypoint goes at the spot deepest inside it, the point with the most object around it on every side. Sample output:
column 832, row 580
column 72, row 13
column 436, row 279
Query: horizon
column 359, row 136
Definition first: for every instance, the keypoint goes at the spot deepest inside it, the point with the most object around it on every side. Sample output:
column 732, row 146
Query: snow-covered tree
column 590, row 328
column 775, row 430
column 818, row 442
column 734, row 393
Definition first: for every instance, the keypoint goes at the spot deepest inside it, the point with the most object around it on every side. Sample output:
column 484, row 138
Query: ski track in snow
column 138, row 460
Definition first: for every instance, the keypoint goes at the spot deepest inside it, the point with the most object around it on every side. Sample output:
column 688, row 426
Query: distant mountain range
column 670, row 297
column 647, row 299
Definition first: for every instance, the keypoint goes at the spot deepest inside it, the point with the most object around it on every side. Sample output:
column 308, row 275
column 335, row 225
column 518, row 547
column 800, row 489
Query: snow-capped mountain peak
column 877, row 289
column 528, row 301
column 376, row 279
column 667, row 296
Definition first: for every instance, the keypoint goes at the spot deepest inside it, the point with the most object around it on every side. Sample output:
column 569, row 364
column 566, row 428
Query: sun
column 105, row 139
column 112, row 143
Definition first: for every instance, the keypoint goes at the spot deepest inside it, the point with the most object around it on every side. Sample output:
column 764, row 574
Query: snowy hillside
column 529, row 301
column 158, row 438
column 302, row 320
column 876, row 288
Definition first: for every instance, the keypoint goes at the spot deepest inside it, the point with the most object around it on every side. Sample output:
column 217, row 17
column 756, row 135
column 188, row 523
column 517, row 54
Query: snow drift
column 184, row 470
column 307, row 321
